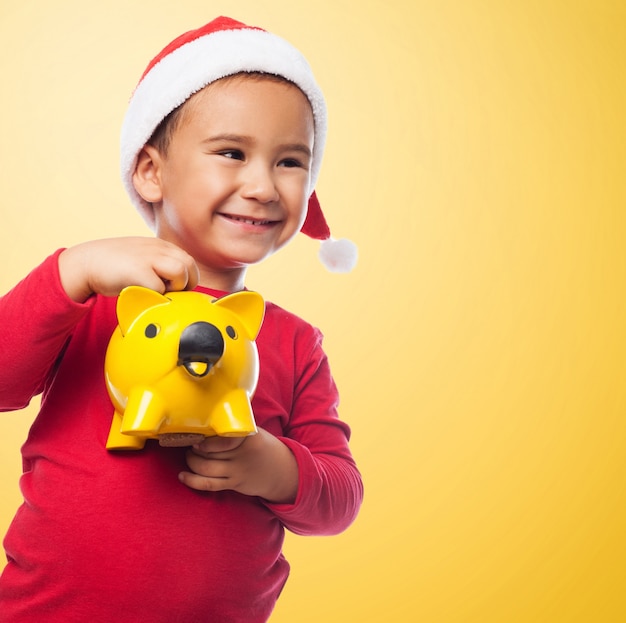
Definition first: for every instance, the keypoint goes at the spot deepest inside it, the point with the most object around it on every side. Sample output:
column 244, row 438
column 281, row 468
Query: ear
column 134, row 300
column 146, row 177
column 248, row 306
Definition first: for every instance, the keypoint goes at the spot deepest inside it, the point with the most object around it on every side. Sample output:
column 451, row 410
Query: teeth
column 249, row 221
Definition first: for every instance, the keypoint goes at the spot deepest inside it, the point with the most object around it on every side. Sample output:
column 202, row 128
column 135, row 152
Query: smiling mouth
column 248, row 221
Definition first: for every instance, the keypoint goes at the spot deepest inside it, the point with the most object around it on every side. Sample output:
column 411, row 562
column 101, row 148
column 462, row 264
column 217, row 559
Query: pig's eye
column 230, row 331
column 152, row 330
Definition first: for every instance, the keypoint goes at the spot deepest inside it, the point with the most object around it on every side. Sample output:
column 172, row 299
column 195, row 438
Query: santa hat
column 222, row 48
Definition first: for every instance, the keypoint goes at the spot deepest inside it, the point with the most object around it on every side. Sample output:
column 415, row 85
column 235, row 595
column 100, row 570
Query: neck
column 226, row 281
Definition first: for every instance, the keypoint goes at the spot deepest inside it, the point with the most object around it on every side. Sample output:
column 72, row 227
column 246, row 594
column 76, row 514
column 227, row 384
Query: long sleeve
column 330, row 488
column 36, row 320
column 329, row 495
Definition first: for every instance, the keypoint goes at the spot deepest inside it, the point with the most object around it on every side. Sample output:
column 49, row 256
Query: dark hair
column 162, row 135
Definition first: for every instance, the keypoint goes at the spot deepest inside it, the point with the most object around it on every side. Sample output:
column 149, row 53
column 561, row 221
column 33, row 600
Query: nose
column 200, row 348
column 259, row 184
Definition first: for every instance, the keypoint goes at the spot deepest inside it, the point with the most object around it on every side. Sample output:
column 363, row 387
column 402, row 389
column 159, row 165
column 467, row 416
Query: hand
column 259, row 465
column 107, row 266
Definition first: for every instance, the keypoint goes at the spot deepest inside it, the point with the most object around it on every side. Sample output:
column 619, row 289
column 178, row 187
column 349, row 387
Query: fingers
column 211, row 445
column 175, row 274
column 213, row 464
column 207, row 474
column 203, row 483
column 174, row 268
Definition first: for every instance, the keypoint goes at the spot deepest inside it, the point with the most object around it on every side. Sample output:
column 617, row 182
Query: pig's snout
column 200, row 348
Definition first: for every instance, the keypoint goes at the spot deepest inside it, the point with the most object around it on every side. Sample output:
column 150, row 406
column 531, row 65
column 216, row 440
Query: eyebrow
column 241, row 139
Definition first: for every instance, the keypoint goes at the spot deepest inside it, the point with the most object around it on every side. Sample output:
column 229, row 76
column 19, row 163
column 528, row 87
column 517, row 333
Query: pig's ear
column 248, row 306
column 134, row 300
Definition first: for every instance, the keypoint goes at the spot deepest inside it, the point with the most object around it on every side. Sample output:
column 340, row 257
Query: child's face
column 233, row 185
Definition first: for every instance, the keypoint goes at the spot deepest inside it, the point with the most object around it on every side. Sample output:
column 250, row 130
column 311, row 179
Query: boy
column 171, row 534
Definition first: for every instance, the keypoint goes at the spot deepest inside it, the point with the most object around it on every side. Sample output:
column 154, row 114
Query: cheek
column 298, row 196
column 299, row 210
column 298, row 202
column 303, row 211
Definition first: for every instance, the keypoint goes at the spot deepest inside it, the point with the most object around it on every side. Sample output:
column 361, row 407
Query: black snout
column 201, row 346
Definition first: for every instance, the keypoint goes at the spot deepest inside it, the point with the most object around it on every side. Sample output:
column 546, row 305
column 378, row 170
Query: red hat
column 221, row 48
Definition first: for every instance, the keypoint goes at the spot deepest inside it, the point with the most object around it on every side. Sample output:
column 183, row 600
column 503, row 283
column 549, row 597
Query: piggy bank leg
column 144, row 414
column 233, row 417
column 118, row 441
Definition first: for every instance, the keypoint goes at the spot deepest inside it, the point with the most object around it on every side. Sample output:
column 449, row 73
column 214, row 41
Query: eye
column 230, row 331
column 152, row 330
column 291, row 163
column 233, row 154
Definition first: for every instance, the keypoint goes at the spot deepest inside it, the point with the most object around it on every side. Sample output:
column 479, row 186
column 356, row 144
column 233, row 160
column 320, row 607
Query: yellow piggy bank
column 182, row 366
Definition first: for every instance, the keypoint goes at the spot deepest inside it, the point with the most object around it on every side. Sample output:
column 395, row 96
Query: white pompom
column 338, row 256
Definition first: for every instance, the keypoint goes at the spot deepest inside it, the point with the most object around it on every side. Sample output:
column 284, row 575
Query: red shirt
column 114, row 536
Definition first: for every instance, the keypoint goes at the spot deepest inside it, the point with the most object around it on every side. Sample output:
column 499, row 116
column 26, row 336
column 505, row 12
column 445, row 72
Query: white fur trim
column 338, row 256
column 190, row 68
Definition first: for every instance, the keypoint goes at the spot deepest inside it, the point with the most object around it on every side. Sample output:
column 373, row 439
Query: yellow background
column 476, row 154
